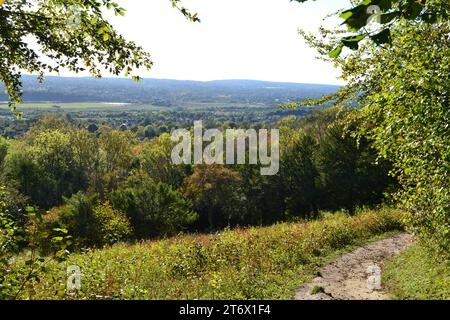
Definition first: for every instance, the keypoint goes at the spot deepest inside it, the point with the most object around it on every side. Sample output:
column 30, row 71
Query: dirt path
column 347, row 277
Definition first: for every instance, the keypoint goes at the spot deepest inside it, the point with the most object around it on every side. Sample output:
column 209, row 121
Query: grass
column 417, row 275
column 317, row 289
column 256, row 263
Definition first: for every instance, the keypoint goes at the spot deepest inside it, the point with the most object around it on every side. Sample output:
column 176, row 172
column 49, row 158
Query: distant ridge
column 166, row 91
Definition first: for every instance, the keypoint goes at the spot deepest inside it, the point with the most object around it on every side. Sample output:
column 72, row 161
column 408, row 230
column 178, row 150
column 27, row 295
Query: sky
column 237, row 39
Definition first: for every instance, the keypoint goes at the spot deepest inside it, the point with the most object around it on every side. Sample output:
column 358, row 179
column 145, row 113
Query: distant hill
column 166, row 92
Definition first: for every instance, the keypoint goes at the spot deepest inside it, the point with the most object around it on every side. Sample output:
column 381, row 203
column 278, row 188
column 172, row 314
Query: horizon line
column 187, row 80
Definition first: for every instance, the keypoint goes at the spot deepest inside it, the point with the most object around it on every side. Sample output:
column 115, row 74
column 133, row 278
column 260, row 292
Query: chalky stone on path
column 347, row 278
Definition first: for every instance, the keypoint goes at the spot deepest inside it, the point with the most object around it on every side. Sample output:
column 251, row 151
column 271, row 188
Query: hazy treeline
column 166, row 93
column 147, row 121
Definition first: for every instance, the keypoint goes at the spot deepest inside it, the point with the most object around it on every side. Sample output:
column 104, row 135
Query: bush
column 77, row 215
column 113, row 225
column 91, row 224
column 21, row 259
column 13, row 202
column 154, row 208
column 8, row 247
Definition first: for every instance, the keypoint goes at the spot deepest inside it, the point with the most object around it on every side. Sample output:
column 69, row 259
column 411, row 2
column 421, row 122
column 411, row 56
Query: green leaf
column 353, row 42
column 388, row 17
column 356, row 18
column 60, row 230
column 336, row 52
column 413, row 10
column 429, row 17
column 382, row 37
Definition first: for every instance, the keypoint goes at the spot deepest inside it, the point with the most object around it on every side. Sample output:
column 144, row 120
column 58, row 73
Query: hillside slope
column 166, row 92
column 256, row 263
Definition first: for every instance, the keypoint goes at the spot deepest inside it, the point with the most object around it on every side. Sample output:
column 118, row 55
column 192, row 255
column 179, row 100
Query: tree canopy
column 387, row 13
column 401, row 92
column 49, row 35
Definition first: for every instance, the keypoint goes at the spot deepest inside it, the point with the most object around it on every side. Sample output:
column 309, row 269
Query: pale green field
column 74, row 106
column 65, row 105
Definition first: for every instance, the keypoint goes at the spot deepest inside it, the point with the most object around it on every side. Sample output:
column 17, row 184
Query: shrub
column 21, row 260
column 154, row 208
column 90, row 223
column 77, row 215
column 113, row 225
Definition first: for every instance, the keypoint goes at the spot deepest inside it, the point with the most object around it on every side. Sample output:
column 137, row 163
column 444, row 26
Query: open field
column 75, row 106
column 134, row 106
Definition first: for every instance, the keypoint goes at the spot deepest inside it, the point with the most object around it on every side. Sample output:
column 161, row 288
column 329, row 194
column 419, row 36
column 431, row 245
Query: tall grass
column 255, row 263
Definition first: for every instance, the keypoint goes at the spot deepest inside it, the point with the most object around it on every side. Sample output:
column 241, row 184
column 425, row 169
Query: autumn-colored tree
column 213, row 190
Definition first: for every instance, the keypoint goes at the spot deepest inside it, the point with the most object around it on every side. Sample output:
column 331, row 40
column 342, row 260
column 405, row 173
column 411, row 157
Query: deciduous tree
column 50, row 35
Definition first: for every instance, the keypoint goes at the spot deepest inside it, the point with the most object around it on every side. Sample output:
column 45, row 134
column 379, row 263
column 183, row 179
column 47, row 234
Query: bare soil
column 347, row 277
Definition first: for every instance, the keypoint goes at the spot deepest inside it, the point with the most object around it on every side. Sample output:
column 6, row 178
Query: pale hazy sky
column 237, row 39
